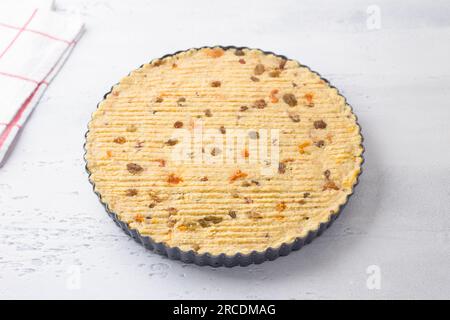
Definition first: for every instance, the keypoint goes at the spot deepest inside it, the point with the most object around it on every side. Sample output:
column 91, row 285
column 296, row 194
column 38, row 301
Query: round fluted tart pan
column 152, row 199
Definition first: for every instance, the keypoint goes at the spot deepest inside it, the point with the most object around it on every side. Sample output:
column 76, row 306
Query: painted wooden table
column 390, row 59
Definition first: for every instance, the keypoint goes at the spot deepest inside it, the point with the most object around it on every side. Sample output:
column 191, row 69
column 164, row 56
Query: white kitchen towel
column 35, row 41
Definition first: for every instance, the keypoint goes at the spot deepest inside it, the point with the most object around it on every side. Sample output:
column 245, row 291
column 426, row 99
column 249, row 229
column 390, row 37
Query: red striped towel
column 34, row 44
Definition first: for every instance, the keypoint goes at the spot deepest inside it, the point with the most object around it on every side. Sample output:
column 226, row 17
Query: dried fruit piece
column 281, row 168
column 131, row 192
column 222, row 130
column 254, row 79
column 238, row 174
column 309, row 97
column 216, row 84
column 281, row 206
column 239, row 52
column 139, row 218
column 214, row 52
column 162, row 162
column 174, row 179
column 134, row 168
column 120, row 140
column 159, row 99
column 306, row 195
column 327, row 174
column 282, row 64
column 243, row 108
column 178, row 124
column 241, row 61
column 205, row 178
column 273, row 97
column 303, row 145
column 180, row 101
column 320, row 124
column 171, row 142
column 259, row 69
column 260, row 104
column 245, row 153
column 290, row 99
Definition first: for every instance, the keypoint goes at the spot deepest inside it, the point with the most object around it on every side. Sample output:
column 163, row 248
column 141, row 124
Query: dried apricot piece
column 238, row 174
column 174, row 179
column 214, row 52
column 120, row 140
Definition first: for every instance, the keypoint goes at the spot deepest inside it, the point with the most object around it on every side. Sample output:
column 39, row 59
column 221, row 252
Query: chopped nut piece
column 281, row 168
column 172, row 211
column 159, row 99
column 232, row 214
column 254, row 215
column 290, row 99
column 171, row 142
column 254, row 79
column 131, row 192
column 281, row 206
column 216, row 84
column 244, row 108
column 134, row 168
column 320, row 144
column 327, row 174
column 215, row 151
column 131, row 128
column 301, row 201
column 174, row 179
column 239, row 52
column 294, row 116
column 306, row 195
column 120, row 140
column 274, row 73
column 178, row 124
column 222, row 130
column 238, row 174
column 330, row 185
column 320, row 124
column 260, row 104
column 253, row 135
column 162, row 162
column 246, row 184
column 259, row 69
column 196, row 247
column 182, row 99
column 208, row 113
column 207, row 221
column 248, row 200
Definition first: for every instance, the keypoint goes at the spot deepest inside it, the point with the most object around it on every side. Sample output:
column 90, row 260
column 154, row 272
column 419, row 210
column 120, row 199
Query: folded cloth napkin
column 35, row 41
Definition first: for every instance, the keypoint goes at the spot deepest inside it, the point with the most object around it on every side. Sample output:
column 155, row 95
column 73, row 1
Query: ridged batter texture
column 230, row 207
